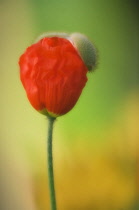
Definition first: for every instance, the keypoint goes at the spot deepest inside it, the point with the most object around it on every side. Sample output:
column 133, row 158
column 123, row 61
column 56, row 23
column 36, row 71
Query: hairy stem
column 50, row 164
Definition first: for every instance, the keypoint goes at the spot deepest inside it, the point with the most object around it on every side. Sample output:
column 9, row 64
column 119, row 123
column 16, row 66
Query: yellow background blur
column 96, row 149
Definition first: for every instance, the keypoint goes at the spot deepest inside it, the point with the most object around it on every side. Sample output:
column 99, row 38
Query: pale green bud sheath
column 86, row 50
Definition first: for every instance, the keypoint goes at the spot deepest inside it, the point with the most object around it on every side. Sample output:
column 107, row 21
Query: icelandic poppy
column 53, row 72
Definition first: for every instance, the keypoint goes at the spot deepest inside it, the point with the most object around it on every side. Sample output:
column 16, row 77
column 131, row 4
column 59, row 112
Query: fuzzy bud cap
column 86, row 49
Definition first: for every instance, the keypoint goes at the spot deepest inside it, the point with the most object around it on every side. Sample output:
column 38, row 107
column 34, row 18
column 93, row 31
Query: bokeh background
column 96, row 145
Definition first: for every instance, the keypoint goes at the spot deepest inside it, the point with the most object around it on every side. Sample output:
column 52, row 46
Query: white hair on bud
column 85, row 48
column 52, row 34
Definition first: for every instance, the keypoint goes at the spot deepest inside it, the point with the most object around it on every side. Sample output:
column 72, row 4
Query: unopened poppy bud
column 53, row 71
column 86, row 49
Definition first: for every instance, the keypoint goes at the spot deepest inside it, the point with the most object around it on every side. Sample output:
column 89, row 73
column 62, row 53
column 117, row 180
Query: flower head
column 53, row 75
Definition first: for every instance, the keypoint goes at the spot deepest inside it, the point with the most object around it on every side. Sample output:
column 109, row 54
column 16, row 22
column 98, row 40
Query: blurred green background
column 96, row 149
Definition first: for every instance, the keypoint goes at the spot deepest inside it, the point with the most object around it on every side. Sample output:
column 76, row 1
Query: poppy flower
column 53, row 74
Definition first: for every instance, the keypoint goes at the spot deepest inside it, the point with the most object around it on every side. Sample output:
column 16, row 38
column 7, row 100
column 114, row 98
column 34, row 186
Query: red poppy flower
column 53, row 75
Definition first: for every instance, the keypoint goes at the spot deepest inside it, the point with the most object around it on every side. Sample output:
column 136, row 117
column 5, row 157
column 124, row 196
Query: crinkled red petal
column 53, row 75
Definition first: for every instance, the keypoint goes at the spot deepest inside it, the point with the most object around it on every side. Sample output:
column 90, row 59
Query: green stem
column 50, row 164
